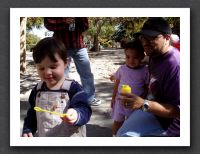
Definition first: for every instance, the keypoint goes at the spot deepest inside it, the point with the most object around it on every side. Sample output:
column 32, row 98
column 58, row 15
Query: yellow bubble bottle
column 126, row 89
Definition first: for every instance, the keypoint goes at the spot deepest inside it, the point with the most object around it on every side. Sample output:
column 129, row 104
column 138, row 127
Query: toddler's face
column 132, row 58
column 51, row 72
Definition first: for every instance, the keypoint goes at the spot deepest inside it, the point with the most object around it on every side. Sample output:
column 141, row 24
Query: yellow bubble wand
column 38, row 109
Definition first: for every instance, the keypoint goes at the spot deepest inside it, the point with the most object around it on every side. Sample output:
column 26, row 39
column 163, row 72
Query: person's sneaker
column 95, row 102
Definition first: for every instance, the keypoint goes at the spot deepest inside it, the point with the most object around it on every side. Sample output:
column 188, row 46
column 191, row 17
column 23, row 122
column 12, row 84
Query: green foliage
column 119, row 33
column 126, row 27
column 114, row 28
column 175, row 24
column 106, row 31
column 31, row 40
column 99, row 28
column 34, row 22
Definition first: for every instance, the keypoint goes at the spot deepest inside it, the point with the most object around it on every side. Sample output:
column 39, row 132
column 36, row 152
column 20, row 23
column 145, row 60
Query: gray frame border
column 5, row 62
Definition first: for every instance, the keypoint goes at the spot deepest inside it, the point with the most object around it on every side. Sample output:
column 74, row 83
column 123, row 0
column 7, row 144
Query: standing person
column 132, row 73
column 160, row 112
column 70, row 30
column 55, row 94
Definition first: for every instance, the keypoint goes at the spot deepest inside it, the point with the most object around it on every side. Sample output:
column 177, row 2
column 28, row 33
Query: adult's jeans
column 141, row 124
column 82, row 63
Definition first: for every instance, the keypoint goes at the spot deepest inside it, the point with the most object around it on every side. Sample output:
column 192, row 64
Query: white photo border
column 16, row 13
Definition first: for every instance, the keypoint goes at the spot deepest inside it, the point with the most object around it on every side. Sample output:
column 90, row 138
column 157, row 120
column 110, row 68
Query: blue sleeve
column 30, row 121
column 79, row 101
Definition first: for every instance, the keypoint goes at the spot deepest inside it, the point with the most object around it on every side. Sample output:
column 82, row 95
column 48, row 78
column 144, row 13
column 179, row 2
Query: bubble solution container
column 126, row 89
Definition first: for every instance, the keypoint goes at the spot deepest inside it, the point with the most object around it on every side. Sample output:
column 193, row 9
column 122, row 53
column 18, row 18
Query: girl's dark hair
column 49, row 46
column 137, row 45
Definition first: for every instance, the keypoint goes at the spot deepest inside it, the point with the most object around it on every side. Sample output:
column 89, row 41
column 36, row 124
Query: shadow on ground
column 29, row 79
column 98, row 131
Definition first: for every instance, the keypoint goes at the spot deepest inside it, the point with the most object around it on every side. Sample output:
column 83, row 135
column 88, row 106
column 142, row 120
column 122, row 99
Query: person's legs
column 116, row 126
column 81, row 60
column 67, row 69
column 118, row 116
column 140, row 124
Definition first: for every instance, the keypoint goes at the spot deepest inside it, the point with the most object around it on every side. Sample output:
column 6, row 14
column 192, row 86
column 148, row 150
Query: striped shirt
column 71, row 39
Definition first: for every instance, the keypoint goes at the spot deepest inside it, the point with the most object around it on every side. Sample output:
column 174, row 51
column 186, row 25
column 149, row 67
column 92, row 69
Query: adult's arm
column 62, row 23
column 82, row 23
column 167, row 109
column 56, row 23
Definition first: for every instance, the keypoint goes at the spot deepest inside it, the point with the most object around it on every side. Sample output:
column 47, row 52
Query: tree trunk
column 95, row 46
column 96, row 43
column 23, row 44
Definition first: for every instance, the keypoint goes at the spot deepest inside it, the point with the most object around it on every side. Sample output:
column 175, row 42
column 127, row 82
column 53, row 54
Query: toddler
column 132, row 73
column 55, row 94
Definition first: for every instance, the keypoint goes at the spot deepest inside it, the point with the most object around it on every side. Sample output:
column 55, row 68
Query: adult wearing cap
column 159, row 113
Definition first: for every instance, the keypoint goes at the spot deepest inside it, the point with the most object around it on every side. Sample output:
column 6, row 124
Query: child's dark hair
column 49, row 46
column 137, row 45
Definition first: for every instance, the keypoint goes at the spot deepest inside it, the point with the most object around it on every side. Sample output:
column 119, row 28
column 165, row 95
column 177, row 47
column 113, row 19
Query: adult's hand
column 69, row 20
column 131, row 101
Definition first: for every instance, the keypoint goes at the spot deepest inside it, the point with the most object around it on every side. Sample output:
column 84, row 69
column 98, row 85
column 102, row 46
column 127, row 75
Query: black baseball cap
column 155, row 26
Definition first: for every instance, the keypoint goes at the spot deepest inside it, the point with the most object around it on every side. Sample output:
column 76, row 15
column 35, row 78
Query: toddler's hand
column 27, row 135
column 72, row 116
column 111, row 77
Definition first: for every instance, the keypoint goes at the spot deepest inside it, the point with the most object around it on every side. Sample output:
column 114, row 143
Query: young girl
column 132, row 73
column 55, row 94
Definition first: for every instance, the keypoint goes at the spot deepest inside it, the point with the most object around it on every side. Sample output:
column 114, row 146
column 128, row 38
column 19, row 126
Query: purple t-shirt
column 136, row 79
column 164, row 86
